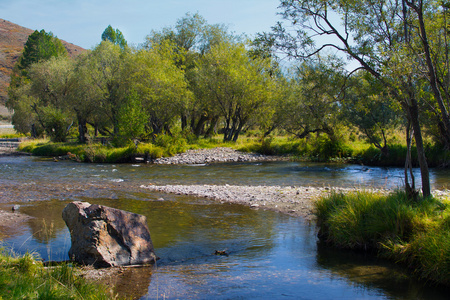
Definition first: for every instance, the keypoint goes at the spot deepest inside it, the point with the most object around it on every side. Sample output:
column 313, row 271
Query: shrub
column 415, row 233
column 24, row 277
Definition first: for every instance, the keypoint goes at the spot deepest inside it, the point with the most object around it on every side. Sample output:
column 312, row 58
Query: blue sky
column 82, row 22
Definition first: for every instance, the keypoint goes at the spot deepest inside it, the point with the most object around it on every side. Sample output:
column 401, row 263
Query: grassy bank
column 319, row 149
column 322, row 149
column 416, row 234
column 164, row 146
column 24, row 277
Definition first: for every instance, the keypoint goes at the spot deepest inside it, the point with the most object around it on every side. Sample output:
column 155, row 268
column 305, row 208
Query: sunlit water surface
column 270, row 255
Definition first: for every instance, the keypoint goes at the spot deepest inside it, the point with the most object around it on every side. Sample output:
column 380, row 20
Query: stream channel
column 270, row 255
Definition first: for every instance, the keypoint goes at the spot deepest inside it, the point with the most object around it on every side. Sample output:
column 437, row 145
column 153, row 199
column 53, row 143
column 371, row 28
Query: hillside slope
column 12, row 40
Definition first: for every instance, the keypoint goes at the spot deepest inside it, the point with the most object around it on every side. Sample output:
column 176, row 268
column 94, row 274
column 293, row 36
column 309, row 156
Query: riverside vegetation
column 25, row 277
column 318, row 149
column 413, row 233
column 204, row 80
column 187, row 84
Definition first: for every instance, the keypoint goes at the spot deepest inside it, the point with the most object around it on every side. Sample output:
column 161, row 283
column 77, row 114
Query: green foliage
column 429, row 253
column 24, row 277
column 235, row 85
column 161, row 85
column 369, row 107
column 131, row 120
column 320, row 148
column 40, row 46
column 415, row 233
column 325, row 148
column 114, row 36
column 56, row 123
column 171, row 144
column 309, row 98
column 437, row 156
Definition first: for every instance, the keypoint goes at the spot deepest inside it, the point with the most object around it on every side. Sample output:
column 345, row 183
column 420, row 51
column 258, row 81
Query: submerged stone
column 105, row 237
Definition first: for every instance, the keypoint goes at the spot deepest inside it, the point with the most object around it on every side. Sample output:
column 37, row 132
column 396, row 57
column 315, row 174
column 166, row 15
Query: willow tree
column 191, row 38
column 108, row 81
column 51, row 86
column 40, row 46
column 312, row 103
column 161, row 85
column 368, row 32
column 237, row 85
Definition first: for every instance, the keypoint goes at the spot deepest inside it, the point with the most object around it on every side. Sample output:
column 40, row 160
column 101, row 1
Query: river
column 270, row 255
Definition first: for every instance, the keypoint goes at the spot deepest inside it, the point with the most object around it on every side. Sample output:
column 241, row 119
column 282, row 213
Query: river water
column 270, row 255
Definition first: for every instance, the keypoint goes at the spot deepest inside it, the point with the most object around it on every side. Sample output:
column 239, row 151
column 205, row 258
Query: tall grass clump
column 416, row 233
column 24, row 277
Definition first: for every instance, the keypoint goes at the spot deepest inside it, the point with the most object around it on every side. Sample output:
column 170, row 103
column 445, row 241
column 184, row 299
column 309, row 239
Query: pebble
column 296, row 201
column 216, row 155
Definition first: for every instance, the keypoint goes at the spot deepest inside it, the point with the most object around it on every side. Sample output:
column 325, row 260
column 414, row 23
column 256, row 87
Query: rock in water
column 104, row 237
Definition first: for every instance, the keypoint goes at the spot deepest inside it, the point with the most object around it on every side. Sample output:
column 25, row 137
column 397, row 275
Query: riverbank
column 12, row 151
column 215, row 155
column 294, row 200
column 413, row 233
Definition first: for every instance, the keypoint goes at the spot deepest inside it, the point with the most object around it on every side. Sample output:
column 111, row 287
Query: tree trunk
column 82, row 129
column 432, row 77
column 424, row 172
column 212, row 125
column 199, row 127
column 410, row 189
column 183, row 122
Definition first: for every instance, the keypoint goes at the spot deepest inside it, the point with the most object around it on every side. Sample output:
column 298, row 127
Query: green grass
column 315, row 148
column 24, row 277
column 416, row 234
column 9, row 133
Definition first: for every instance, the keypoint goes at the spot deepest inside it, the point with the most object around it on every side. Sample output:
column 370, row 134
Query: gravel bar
column 296, row 201
column 214, row 155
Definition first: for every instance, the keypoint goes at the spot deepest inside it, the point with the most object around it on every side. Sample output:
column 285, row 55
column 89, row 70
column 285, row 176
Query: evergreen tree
column 114, row 36
column 39, row 46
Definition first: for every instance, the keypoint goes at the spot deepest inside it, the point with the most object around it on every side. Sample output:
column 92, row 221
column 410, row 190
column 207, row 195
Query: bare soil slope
column 12, row 40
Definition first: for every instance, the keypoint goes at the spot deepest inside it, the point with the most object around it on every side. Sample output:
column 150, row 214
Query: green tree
column 369, row 32
column 132, row 119
column 192, row 37
column 24, row 119
column 40, row 46
column 161, row 85
column 114, row 36
column 235, row 84
column 85, row 98
column 426, row 36
column 311, row 100
column 108, row 83
column 368, row 106
column 51, row 86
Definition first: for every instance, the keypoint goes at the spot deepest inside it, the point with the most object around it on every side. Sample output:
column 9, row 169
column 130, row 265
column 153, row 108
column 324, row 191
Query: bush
column 24, row 277
column 415, row 233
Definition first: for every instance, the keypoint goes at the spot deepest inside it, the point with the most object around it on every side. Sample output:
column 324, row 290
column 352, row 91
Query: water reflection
column 375, row 273
column 34, row 173
column 271, row 256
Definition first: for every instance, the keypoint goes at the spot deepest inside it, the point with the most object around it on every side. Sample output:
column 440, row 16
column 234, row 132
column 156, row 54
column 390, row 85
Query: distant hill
column 12, row 40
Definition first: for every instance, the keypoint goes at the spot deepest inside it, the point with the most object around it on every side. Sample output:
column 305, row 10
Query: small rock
column 15, row 208
column 221, row 252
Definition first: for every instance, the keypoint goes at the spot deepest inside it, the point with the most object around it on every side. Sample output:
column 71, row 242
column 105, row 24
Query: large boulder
column 104, row 237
